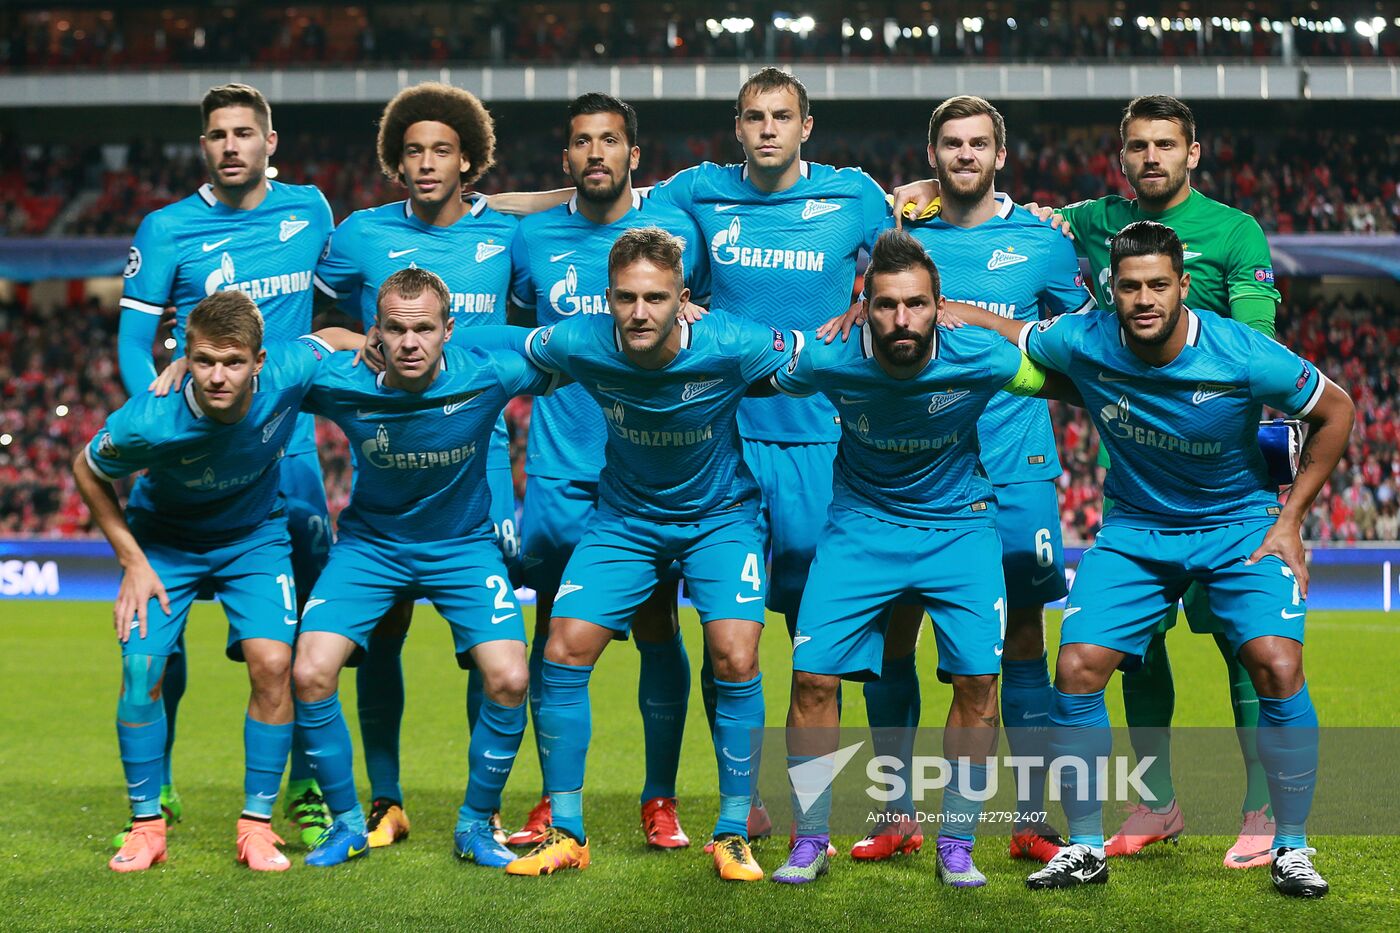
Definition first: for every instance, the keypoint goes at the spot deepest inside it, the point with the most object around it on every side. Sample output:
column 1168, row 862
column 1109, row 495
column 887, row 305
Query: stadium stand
column 169, row 36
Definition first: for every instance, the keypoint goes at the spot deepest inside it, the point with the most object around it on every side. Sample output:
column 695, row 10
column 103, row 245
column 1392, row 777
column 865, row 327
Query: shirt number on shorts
column 751, row 573
column 502, row 588
column 1044, row 548
column 289, row 589
column 1000, row 608
column 1288, row 572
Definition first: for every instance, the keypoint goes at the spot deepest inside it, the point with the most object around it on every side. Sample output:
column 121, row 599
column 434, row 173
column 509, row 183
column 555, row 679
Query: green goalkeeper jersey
column 1225, row 250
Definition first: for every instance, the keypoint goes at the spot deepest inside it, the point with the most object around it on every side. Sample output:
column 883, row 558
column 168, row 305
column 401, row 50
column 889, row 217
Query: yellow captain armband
column 930, row 212
column 1029, row 379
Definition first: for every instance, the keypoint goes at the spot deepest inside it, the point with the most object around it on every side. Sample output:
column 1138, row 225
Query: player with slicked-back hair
column 560, row 270
column 240, row 231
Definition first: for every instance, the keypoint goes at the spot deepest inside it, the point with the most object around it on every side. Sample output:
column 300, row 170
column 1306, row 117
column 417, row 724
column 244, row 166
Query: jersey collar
column 867, row 343
column 803, row 166
column 379, row 379
column 1004, row 204
column 193, row 403
column 687, row 336
column 206, row 194
column 477, row 202
column 1193, row 331
column 637, row 200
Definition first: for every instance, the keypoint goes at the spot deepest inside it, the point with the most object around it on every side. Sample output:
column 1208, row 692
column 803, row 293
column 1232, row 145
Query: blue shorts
column 555, row 515
column 304, row 489
column 621, row 559
column 864, row 564
column 1033, row 553
column 251, row 576
column 464, row 578
column 795, row 483
column 501, row 482
column 1131, row 577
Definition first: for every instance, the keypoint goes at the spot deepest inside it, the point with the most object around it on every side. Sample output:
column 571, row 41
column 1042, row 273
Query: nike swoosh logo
column 1036, row 581
column 499, row 757
column 351, row 852
column 186, row 461
column 746, row 599
column 603, row 388
column 1105, row 377
column 1249, row 856
column 210, row 247
column 562, row 255
column 1035, row 715
column 651, row 702
column 262, row 796
column 721, row 208
column 396, row 253
column 498, row 619
column 800, row 640
column 1070, row 611
column 842, row 400
column 1291, row 615
column 311, row 604
column 137, row 784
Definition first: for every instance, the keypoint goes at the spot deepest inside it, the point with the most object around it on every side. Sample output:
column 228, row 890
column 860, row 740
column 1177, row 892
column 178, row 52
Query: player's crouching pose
column 1177, row 397
column 207, row 513
column 913, row 517
column 418, row 525
column 674, row 488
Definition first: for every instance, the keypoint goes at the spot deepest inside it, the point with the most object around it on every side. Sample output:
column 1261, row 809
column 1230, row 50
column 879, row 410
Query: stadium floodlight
column 61, row 411
column 1363, row 29
column 918, row 32
column 1117, row 22
column 1010, row 23
column 847, row 30
column 6, row 439
column 866, row 33
column 169, row 343
column 272, row 171
column 972, row 23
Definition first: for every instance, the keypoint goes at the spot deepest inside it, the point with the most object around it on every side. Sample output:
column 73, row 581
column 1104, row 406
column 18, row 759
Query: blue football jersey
column 420, row 457
column 205, row 481
column 787, row 259
column 673, row 450
column 1015, row 266
column 560, row 269
column 1182, row 438
column 195, row 247
column 909, row 447
column 472, row 257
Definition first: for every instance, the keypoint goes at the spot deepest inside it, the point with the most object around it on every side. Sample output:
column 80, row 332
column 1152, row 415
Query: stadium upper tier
column 1292, row 181
column 144, row 35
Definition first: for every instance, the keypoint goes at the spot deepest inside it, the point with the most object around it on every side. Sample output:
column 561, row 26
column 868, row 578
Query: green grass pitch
column 61, row 782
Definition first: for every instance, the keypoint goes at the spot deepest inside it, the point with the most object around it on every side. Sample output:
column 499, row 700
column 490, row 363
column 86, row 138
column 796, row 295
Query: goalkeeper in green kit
column 1232, row 274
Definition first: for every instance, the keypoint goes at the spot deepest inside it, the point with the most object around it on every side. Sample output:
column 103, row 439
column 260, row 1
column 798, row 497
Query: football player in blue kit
column 998, row 256
column 1177, row 397
column 674, row 488
column 434, row 139
column 418, row 525
column 913, row 516
column 238, row 231
column 208, row 514
column 559, row 264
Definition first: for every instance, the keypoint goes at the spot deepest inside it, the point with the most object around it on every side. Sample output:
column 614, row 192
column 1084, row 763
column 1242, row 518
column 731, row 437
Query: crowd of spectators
column 58, row 380
column 1291, row 180
column 249, row 32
